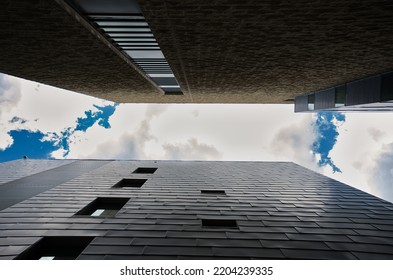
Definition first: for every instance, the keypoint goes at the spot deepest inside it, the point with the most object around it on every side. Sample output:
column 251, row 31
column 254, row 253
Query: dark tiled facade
column 370, row 94
column 280, row 210
column 17, row 169
column 254, row 51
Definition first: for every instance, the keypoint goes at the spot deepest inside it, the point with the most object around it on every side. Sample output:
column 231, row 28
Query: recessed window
column 225, row 223
column 145, row 170
column 103, row 207
column 213, row 192
column 130, row 183
column 56, row 248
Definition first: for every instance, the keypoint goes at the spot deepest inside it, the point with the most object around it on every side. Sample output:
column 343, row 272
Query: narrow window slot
column 213, row 192
column 145, row 170
column 224, row 223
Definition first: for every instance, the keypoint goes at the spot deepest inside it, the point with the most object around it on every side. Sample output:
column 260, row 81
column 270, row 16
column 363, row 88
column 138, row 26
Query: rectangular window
column 103, row 207
column 56, row 248
column 224, row 223
column 130, row 183
column 145, row 170
column 213, row 192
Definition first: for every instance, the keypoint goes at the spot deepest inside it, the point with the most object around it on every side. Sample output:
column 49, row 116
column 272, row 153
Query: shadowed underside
column 220, row 51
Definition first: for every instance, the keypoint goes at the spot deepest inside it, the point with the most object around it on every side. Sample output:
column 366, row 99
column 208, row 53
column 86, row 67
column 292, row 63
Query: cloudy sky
column 40, row 121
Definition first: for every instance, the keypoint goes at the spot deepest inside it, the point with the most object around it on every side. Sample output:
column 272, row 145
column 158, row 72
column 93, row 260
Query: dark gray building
column 87, row 209
column 373, row 94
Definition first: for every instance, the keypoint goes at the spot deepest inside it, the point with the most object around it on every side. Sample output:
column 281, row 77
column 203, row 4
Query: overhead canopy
column 220, row 51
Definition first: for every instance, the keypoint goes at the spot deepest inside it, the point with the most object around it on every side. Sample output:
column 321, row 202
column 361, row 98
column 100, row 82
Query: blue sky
column 326, row 125
column 39, row 121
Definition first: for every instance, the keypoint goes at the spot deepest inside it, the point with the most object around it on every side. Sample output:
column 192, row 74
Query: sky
column 40, row 121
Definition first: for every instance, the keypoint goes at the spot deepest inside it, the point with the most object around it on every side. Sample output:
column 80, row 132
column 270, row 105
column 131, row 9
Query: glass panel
column 161, row 75
column 141, row 48
column 340, row 96
column 137, row 44
column 109, row 213
column 128, row 44
column 171, row 86
column 122, row 23
column 97, row 213
column 311, row 101
column 126, row 29
column 116, row 17
column 134, row 39
column 112, row 34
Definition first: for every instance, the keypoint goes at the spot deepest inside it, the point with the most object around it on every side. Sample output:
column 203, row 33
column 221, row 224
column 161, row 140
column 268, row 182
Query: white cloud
column 195, row 113
column 155, row 110
column 294, row 142
column 27, row 105
column 5, row 139
column 362, row 152
column 381, row 174
column 191, row 150
column 124, row 147
column 129, row 137
column 375, row 133
column 10, row 93
column 161, row 131
column 49, row 109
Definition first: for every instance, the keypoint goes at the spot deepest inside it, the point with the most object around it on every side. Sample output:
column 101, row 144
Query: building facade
column 98, row 210
column 217, row 51
column 374, row 94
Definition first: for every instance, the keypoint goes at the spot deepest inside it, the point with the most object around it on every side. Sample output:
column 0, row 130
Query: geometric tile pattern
column 282, row 211
column 13, row 170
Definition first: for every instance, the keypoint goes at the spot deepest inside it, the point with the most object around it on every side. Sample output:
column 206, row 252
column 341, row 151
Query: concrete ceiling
column 40, row 41
column 221, row 51
column 269, row 51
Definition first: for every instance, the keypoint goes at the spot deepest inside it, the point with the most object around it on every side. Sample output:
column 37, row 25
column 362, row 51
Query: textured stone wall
column 282, row 211
column 221, row 51
column 268, row 51
column 40, row 41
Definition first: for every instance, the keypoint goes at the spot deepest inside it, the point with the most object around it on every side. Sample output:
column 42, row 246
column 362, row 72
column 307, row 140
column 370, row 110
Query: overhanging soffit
column 220, row 51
